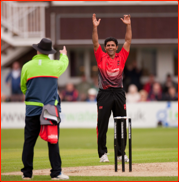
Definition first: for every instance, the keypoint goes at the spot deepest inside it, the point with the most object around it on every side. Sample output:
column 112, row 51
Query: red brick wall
column 143, row 27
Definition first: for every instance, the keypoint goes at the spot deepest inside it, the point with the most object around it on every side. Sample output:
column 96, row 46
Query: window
column 131, row 57
column 76, row 63
column 148, row 62
column 93, row 65
column 175, row 64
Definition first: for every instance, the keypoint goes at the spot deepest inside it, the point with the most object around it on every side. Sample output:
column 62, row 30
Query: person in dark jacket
column 13, row 81
column 39, row 84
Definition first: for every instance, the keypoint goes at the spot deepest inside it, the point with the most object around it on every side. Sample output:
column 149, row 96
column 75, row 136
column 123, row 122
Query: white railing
column 25, row 20
column 4, row 45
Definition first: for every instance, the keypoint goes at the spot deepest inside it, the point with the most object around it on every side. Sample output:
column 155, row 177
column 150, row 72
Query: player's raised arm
column 95, row 31
column 63, row 63
column 128, row 37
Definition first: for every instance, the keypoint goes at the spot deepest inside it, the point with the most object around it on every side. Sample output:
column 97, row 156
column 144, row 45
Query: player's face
column 111, row 48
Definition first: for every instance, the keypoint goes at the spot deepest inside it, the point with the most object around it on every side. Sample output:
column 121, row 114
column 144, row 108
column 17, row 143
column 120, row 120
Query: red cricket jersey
column 110, row 70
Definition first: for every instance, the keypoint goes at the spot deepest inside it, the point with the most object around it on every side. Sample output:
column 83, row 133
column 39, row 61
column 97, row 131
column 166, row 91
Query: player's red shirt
column 110, row 70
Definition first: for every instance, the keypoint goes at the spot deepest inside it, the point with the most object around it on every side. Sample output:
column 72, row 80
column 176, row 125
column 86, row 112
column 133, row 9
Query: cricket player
column 111, row 95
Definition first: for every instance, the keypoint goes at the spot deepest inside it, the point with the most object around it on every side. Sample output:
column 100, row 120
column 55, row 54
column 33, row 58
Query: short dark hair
column 110, row 39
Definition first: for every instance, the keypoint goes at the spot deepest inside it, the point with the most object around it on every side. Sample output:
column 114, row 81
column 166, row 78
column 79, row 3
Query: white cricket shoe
column 126, row 159
column 26, row 178
column 104, row 158
column 60, row 176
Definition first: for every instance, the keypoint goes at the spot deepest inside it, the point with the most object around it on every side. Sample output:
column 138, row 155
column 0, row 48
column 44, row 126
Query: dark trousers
column 111, row 99
column 32, row 129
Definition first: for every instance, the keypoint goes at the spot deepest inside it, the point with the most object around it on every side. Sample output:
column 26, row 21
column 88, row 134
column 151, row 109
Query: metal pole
column 115, row 144
column 130, row 146
column 122, row 144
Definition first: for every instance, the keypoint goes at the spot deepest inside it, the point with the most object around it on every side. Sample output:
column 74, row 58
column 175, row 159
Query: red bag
column 49, row 133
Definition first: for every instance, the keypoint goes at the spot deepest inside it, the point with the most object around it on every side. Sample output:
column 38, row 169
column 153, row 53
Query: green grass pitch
column 78, row 147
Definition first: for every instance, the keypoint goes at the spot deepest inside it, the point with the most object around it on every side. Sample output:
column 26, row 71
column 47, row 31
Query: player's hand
column 95, row 21
column 127, row 19
column 64, row 51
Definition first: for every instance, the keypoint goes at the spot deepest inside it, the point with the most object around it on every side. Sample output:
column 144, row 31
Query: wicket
column 122, row 119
